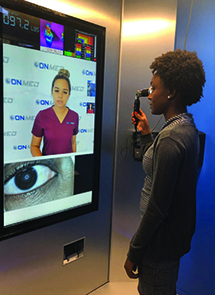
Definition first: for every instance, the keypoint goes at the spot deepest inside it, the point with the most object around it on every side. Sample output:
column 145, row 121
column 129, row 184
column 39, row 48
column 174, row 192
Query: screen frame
column 99, row 31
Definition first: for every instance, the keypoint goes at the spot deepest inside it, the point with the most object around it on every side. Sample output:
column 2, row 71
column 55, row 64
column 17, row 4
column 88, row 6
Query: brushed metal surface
column 32, row 263
column 148, row 30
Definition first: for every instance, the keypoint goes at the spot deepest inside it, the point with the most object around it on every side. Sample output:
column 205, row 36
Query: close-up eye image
column 35, row 182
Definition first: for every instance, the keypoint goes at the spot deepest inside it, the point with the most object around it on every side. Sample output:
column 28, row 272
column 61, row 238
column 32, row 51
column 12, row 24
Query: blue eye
column 27, row 179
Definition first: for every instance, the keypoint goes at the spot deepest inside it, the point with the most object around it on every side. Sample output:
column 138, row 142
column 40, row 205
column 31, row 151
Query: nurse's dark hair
column 183, row 71
column 62, row 74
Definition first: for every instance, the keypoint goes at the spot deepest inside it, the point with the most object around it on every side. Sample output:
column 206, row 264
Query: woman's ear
column 172, row 94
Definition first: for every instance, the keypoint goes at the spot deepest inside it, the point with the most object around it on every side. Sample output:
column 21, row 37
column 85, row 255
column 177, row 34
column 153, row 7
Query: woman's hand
column 142, row 125
column 130, row 269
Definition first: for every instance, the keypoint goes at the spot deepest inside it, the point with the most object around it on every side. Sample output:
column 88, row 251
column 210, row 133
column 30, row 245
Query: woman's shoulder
column 72, row 113
column 48, row 110
column 45, row 111
column 178, row 133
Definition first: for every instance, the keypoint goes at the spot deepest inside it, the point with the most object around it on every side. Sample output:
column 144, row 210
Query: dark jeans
column 158, row 278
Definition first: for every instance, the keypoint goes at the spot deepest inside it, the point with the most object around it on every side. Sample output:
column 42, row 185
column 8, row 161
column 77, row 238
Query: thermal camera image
column 51, row 37
column 48, row 35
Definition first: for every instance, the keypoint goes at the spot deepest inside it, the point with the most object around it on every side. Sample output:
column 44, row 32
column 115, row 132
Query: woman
column 90, row 109
column 168, row 199
column 57, row 125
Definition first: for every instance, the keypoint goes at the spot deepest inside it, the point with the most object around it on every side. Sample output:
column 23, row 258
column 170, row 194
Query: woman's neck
column 60, row 110
column 175, row 108
column 174, row 113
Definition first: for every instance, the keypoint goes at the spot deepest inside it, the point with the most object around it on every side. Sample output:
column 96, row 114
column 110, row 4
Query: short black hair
column 183, row 71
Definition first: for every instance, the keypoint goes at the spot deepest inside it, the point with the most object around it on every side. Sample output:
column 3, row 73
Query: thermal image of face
column 48, row 35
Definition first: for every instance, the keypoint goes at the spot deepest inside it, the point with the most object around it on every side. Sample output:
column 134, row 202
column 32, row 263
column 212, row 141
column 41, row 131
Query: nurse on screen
column 57, row 125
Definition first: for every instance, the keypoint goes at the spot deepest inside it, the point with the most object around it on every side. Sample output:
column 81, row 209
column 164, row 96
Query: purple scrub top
column 57, row 137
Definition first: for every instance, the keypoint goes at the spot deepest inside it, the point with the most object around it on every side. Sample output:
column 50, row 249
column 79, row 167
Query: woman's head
column 61, row 88
column 62, row 74
column 183, row 72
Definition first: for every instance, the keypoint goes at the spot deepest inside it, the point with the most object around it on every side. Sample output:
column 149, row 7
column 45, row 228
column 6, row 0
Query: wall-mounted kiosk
column 36, row 43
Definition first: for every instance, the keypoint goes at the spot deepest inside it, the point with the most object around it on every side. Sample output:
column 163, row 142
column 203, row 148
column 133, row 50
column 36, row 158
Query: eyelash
column 41, row 173
column 65, row 92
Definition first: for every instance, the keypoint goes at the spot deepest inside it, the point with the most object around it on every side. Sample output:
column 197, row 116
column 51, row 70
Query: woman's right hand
column 142, row 125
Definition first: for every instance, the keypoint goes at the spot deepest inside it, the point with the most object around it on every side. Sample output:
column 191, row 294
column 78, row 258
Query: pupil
column 26, row 178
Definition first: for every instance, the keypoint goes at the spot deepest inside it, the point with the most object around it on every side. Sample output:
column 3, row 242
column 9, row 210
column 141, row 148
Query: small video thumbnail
column 51, row 37
column 90, row 108
column 91, row 88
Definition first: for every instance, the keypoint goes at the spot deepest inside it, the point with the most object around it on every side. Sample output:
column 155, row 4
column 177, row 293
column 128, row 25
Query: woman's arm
column 74, row 143
column 35, row 146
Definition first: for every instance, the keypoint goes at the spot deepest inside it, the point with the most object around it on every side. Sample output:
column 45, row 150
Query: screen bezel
column 99, row 31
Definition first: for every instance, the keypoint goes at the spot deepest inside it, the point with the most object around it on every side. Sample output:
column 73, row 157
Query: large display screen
column 52, row 84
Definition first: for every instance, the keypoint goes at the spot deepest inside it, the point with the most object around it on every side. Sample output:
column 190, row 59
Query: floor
column 119, row 283
column 117, row 288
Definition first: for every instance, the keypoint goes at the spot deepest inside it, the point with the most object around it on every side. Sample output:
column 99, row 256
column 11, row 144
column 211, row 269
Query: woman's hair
column 62, row 74
column 181, row 71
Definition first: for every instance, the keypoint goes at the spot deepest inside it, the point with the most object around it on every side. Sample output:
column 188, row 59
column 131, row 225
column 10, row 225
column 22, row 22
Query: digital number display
column 11, row 20
column 27, row 31
column 21, row 29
